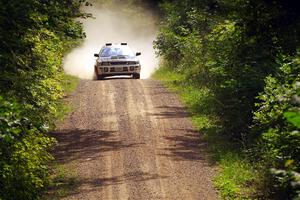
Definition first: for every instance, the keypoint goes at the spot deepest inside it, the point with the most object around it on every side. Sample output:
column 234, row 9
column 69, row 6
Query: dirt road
column 132, row 139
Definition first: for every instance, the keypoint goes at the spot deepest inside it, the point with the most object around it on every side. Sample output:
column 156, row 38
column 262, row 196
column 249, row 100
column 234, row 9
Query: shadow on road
column 183, row 144
column 137, row 176
column 115, row 78
column 85, row 144
column 185, row 147
column 94, row 184
column 169, row 112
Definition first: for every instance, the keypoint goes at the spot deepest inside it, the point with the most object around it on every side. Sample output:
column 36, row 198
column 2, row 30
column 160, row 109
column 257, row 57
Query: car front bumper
column 118, row 70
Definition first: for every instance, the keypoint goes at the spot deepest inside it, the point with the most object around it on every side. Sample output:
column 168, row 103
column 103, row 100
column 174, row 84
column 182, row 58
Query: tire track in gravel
column 132, row 139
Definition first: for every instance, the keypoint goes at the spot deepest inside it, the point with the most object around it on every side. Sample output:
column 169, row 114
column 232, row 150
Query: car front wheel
column 100, row 77
column 136, row 76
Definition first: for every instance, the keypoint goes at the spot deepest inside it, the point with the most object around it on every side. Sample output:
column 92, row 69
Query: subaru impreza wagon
column 117, row 59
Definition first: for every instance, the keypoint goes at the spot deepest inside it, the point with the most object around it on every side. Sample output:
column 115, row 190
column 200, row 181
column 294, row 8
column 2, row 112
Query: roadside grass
column 63, row 108
column 235, row 177
column 69, row 83
column 63, row 182
column 63, row 179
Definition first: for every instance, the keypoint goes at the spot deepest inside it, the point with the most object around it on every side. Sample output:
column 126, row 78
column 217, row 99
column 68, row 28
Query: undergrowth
column 236, row 177
column 32, row 85
column 242, row 78
column 63, row 182
column 69, row 84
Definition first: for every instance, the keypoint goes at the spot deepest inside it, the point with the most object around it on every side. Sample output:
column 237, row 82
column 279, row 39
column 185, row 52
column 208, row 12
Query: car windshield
column 116, row 51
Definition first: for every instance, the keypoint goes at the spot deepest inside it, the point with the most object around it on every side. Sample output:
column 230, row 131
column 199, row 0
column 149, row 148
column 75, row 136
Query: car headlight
column 133, row 62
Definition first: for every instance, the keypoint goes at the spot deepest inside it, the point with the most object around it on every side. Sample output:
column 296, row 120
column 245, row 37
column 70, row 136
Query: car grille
column 118, row 69
column 118, row 63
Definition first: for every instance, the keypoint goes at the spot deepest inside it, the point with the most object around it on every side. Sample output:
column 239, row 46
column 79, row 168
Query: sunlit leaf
column 293, row 117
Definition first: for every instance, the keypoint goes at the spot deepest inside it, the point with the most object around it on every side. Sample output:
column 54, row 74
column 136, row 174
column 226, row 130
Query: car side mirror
column 96, row 55
column 138, row 54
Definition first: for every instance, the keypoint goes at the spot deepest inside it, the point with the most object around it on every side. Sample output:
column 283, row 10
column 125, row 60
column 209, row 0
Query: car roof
column 115, row 44
column 123, row 46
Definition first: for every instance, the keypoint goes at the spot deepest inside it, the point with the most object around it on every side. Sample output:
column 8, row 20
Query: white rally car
column 117, row 59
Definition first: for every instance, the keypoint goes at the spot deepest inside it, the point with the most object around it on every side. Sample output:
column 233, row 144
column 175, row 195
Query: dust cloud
column 114, row 24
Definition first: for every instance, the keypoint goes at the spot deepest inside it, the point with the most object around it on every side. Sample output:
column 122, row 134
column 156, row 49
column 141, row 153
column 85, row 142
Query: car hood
column 115, row 58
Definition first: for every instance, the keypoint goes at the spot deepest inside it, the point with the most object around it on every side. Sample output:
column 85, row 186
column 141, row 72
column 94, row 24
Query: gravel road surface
column 132, row 139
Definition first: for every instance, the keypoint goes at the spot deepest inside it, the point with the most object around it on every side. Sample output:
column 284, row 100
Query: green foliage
column 287, row 184
column 23, row 153
column 34, row 35
column 278, row 120
column 293, row 117
column 238, row 50
column 235, row 177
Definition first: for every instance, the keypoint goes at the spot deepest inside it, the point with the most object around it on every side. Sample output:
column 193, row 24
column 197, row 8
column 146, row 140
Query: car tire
column 100, row 77
column 136, row 76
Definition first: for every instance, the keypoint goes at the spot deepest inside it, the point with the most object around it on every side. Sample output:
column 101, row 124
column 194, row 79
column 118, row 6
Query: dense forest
column 34, row 35
column 235, row 62
column 239, row 66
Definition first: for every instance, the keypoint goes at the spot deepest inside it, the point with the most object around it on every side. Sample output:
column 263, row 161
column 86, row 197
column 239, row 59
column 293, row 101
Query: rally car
column 117, row 59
